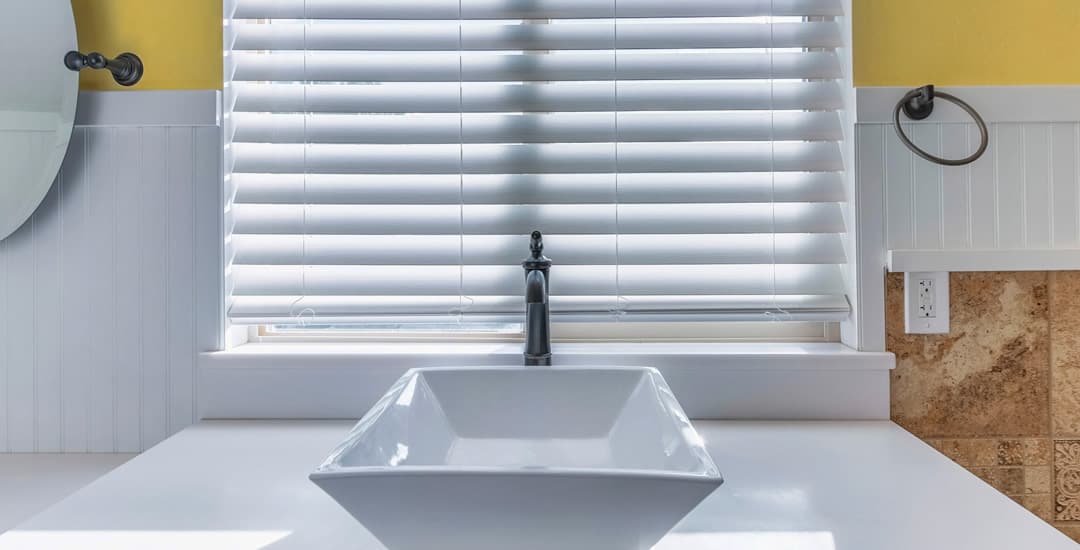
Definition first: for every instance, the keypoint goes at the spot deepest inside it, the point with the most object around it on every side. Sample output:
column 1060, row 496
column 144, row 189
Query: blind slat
column 527, row 9
column 494, row 97
column 494, row 67
column 548, row 158
column 762, row 248
column 538, row 128
column 592, row 35
column 507, row 279
column 671, row 187
column 336, row 219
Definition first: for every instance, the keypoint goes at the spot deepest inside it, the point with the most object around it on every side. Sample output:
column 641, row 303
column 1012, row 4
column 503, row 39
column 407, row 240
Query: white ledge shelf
column 909, row 261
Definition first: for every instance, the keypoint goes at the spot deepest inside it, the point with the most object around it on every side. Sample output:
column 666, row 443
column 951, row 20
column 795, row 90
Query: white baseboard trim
column 149, row 108
column 994, row 103
column 759, row 381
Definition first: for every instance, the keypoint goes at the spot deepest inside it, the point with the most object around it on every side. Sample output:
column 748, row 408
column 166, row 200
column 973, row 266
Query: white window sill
column 756, row 355
column 711, row 380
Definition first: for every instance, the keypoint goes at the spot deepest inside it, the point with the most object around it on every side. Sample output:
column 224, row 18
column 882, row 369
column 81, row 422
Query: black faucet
column 537, row 311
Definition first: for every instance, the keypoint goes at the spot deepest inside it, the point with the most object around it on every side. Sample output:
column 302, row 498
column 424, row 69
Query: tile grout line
column 1051, row 292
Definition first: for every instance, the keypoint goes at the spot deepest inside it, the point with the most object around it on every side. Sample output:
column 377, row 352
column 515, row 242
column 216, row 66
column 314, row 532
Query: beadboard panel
column 1023, row 194
column 111, row 290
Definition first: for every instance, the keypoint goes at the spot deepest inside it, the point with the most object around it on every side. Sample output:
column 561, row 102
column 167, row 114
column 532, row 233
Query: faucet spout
column 537, row 311
column 537, row 320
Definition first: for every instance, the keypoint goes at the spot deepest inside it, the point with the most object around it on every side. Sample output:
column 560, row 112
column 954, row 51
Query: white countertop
column 242, row 485
column 31, row 482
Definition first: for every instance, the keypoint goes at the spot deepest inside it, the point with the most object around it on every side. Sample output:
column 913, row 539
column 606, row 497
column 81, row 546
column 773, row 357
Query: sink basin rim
column 707, row 473
column 709, row 476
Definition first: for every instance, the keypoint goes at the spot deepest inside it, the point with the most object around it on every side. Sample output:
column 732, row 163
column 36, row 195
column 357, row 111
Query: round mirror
column 37, row 103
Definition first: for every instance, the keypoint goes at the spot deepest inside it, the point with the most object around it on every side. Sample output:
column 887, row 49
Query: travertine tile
column 985, row 474
column 982, row 393
column 968, row 452
column 1038, row 452
column 1070, row 530
column 989, row 376
column 1065, row 351
column 1010, row 452
column 1067, row 480
column 1037, row 480
column 1040, row 505
column 1009, row 480
column 984, row 452
column 959, row 450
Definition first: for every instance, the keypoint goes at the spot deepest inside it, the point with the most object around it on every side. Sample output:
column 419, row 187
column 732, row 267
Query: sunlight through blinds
column 387, row 159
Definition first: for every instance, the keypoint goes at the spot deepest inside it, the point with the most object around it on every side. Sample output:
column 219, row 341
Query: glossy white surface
column 525, row 458
column 37, row 103
column 31, row 482
column 242, row 485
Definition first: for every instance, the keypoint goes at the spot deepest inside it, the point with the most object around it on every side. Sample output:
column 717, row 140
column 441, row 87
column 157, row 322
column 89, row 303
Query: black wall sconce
column 127, row 68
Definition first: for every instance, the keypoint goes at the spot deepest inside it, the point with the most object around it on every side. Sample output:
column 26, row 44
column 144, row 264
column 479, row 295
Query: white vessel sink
column 521, row 458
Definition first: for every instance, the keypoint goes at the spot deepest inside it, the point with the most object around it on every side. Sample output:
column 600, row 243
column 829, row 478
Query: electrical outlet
column 925, row 288
column 926, row 303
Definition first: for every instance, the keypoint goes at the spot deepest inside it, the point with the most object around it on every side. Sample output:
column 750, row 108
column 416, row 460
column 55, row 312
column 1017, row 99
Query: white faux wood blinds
column 388, row 159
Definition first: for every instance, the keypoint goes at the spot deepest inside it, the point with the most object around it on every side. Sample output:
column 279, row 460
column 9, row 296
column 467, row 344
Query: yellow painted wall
column 966, row 42
column 952, row 42
column 179, row 41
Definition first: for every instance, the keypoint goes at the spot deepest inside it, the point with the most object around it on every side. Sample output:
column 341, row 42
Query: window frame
column 761, row 380
column 859, row 331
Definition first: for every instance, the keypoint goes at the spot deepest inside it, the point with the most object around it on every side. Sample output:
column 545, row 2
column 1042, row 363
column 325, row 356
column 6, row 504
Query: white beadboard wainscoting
column 1017, row 207
column 111, row 289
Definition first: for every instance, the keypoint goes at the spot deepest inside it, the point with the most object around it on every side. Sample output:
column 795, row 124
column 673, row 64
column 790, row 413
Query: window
column 387, row 159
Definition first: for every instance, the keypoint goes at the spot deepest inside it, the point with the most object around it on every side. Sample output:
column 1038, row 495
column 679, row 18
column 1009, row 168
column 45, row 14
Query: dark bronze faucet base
column 537, row 361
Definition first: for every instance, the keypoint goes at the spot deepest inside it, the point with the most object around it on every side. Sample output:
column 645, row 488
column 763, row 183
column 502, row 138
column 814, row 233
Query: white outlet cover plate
column 913, row 322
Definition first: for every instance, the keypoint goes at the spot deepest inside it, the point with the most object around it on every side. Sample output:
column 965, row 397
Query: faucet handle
column 536, row 259
column 536, row 244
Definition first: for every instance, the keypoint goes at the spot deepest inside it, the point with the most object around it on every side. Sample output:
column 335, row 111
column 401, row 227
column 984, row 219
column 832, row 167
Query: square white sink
column 521, row 458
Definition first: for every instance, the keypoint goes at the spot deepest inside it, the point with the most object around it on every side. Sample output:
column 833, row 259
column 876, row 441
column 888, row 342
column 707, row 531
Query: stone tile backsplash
column 990, row 375
column 999, row 394
column 1067, row 476
column 1065, row 353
